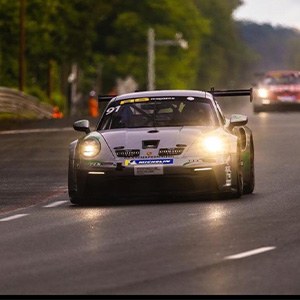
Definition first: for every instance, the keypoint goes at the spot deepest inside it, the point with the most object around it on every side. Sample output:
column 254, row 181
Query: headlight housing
column 90, row 148
column 214, row 145
column 263, row 93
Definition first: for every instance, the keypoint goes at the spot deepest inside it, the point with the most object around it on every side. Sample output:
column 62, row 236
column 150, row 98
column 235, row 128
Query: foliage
column 9, row 38
column 108, row 40
column 224, row 54
column 124, row 41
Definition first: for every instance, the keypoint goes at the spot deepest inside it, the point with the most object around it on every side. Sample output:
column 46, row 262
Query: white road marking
column 54, row 204
column 13, row 217
column 35, row 130
column 250, row 253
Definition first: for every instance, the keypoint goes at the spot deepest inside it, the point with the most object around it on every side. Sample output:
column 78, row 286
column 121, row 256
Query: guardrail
column 15, row 102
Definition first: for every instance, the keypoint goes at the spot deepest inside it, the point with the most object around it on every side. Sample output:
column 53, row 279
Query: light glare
column 90, row 148
column 263, row 93
column 214, row 144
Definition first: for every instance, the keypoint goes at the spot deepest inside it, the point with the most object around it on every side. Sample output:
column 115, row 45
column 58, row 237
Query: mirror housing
column 82, row 125
column 237, row 120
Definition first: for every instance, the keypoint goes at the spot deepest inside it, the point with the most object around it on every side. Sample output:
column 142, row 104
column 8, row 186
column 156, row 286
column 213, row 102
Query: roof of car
column 166, row 93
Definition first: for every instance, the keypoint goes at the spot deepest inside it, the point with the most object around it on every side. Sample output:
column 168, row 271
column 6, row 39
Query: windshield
column 159, row 112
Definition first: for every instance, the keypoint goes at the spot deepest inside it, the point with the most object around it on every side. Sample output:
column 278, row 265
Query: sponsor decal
column 190, row 98
column 138, row 100
column 193, row 161
column 163, row 98
column 228, row 175
column 150, row 162
column 94, row 164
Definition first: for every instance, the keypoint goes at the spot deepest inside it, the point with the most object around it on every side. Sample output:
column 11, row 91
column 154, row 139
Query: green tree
column 224, row 56
column 9, row 41
column 108, row 40
column 123, row 40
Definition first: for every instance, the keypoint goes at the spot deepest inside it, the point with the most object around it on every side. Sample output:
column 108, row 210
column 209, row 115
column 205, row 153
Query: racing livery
column 162, row 142
column 277, row 90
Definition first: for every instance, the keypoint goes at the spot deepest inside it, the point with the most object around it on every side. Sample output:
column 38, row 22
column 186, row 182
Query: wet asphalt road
column 249, row 246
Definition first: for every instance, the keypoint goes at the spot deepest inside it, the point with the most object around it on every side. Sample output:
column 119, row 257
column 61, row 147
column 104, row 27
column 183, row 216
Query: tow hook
column 119, row 167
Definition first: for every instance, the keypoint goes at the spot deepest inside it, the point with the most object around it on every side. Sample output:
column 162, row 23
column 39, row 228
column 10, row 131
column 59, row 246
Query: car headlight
column 214, row 145
column 90, row 148
column 263, row 93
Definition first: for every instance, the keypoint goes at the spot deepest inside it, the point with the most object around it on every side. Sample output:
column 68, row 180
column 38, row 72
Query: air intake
column 151, row 144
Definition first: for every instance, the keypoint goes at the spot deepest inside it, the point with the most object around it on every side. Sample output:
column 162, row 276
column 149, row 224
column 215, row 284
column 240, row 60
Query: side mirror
column 82, row 125
column 237, row 120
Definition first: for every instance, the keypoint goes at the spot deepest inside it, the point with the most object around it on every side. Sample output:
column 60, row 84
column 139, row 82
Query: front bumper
column 170, row 180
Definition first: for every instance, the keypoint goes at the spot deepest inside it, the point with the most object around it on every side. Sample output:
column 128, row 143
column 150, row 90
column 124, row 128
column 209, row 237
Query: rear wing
column 105, row 98
column 215, row 93
column 232, row 93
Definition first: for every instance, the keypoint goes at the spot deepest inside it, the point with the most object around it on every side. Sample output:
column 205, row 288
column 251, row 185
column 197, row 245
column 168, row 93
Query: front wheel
column 74, row 196
column 239, row 186
column 75, row 199
column 249, row 186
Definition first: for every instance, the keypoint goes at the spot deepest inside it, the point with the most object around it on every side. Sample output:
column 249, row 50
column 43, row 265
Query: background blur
column 274, row 12
column 73, row 47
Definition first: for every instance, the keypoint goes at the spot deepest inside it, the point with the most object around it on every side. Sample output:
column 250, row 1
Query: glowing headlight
column 90, row 148
column 263, row 93
column 214, row 144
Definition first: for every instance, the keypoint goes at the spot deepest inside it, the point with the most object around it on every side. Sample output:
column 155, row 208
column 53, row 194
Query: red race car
column 277, row 90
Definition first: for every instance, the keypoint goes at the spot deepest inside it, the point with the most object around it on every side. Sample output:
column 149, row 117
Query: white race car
column 161, row 143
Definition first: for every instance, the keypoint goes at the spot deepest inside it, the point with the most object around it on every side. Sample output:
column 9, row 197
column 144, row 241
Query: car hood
column 165, row 137
column 284, row 88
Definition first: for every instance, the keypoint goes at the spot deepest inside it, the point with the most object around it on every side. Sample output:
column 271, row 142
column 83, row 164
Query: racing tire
column 239, row 178
column 74, row 196
column 239, row 187
column 249, row 186
column 74, row 199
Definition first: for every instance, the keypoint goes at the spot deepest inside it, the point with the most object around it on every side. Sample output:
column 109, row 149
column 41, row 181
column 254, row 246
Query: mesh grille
column 128, row 153
column 165, row 152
